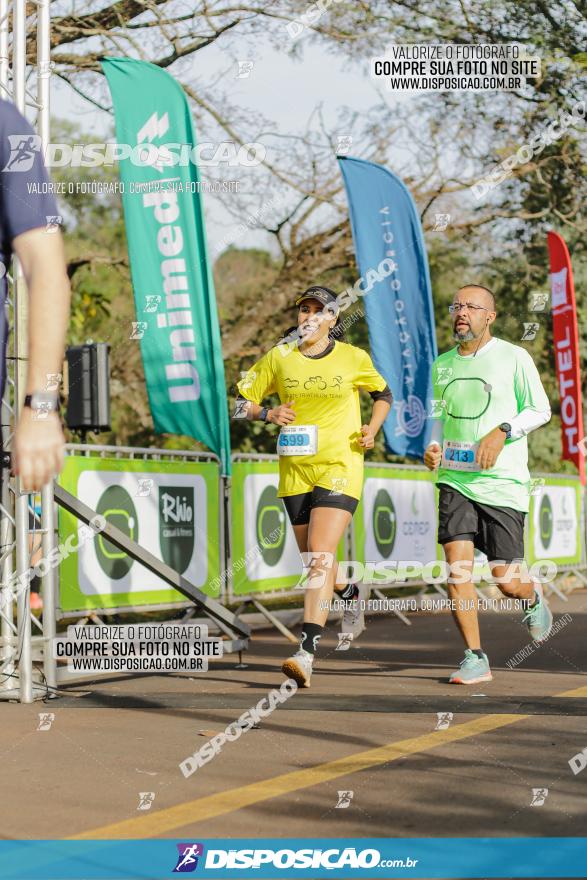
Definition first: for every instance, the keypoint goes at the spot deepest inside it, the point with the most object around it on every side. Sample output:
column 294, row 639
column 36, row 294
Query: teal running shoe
column 472, row 669
column 538, row 619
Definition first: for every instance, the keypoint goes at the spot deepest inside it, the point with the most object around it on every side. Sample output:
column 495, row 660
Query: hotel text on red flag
column 566, row 349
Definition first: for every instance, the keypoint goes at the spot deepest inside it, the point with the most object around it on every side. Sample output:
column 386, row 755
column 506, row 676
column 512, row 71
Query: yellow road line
column 224, row 802
column 576, row 692
column 157, row 823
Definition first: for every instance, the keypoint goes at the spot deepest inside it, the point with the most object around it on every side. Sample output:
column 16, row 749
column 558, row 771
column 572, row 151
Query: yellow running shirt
column 325, row 392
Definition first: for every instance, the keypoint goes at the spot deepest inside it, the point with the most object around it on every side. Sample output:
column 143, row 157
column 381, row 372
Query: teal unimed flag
column 177, row 318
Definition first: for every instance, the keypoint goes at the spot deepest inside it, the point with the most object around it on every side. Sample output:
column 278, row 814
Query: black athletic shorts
column 496, row 531
column 299, row 506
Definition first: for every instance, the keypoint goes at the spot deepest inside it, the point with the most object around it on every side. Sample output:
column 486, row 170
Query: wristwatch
column 507, row 430
column 263, row 414
column 42, row 401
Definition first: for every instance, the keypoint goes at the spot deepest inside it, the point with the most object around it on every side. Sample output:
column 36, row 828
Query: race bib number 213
column 459, row 456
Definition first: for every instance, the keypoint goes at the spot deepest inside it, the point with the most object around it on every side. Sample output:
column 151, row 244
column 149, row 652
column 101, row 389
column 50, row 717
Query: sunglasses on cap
column 323, row 294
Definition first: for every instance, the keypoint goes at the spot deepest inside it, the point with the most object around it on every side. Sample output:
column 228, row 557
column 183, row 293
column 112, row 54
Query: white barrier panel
column 555, row 522
column 270, row 545
column 164, row 512
column 399, row 519
column 396, row 519
column 264, row 554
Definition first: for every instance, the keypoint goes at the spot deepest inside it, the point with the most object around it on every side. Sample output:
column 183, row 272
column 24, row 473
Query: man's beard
column 463, row 336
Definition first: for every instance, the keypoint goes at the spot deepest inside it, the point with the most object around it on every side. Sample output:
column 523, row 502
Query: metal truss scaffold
column 28, row 87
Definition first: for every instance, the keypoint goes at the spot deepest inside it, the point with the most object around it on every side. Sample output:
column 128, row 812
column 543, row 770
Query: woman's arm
column 246, row 409
column 378, row 415
column 279, row 415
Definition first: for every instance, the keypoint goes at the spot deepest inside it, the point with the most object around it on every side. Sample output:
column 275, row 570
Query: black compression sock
column 479, row 652
column 351, row 591
column 311, row 634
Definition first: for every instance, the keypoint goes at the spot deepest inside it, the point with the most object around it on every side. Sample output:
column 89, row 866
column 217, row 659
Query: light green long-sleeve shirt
column 473, row 395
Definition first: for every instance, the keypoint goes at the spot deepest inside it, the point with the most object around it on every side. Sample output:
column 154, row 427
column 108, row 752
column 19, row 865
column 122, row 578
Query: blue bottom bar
column 305, row 858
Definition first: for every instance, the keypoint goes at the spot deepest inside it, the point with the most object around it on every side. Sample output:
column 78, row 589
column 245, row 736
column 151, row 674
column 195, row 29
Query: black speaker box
column 88, row 405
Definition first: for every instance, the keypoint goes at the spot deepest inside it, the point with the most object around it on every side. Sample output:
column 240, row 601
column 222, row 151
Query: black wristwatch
column 263, row 414
column 507, row 430
column 42, row 402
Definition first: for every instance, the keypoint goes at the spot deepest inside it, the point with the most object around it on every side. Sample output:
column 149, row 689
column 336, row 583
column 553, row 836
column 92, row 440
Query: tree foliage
column 441, row 144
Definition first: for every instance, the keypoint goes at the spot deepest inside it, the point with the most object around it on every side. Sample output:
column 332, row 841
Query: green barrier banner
column 396, row 519
column 177, row 319
column 265, row 555
column 169, row 507
column 555, row 521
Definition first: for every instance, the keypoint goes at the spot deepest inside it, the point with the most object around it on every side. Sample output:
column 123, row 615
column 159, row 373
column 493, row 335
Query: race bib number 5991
column 298, row 440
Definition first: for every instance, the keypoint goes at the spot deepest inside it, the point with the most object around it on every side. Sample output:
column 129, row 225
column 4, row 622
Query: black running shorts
column 496, row 531
column 300, row 506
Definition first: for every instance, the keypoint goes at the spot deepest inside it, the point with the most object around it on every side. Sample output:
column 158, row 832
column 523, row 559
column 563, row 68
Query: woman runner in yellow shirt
column 321, row 447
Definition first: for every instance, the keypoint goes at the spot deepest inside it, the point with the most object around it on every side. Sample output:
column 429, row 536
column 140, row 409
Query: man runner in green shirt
column 487, row 397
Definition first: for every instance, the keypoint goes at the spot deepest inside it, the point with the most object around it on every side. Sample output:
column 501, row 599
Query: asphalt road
column 367, row 727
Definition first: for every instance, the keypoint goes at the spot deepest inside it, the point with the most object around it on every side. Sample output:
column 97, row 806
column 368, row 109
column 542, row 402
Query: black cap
column 323, row 294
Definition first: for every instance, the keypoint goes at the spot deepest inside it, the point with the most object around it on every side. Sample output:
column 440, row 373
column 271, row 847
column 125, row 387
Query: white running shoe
column 353, row 619
column 299, row 667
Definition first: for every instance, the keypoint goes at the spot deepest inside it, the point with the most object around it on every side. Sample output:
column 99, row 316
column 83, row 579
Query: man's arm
column 533, row 411
column 38, row 442
column 533, row 403
column 528, row 420
column 433, row 452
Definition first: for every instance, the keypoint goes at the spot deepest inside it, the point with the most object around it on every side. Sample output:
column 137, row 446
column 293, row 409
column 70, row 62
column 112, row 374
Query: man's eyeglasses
column 471, row 307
